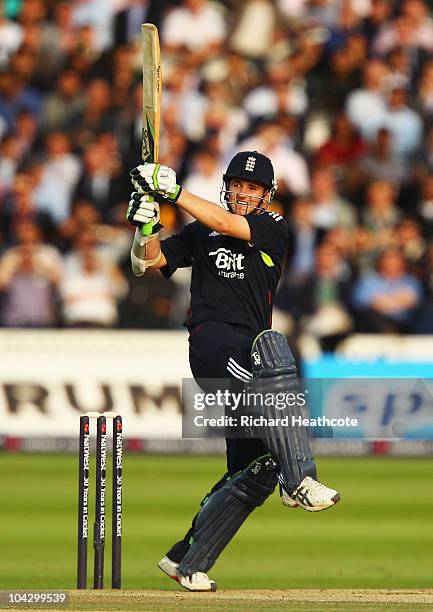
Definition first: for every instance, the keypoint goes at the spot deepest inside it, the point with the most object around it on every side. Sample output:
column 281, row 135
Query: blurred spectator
column 84, row 216
column 25, row 63
column 9, row 160
column 378, row 15
column 343, row 148
column 27, row 133
column 127, row 22
column 20, row 206
column 123, row 78
column 357, row 45
column 425, row 90
column 366, row 106
column 385, row 301
column 198, row 114
column 85, row 54
column 404, row 124
column 59, row 175
column 183, row 104
column 324, row 12
column 241, row 75
column 23, row 274
column 97, row 116
column 283, row 78
column 425, row 205
column 128, row 128
column 343, row 240
column 15, row 96
column 379, row 216
column 90, row 289
column 197, row 26
column 426, row 156
column 293, row 9
column 401, row 70
column 381, row 163
column 428, row 274
column 221, row 116
column 3, row 127
column 28, row 233
column 32, row 12
column 11, row 36
column 330, row 208
column 347, row 23
column 282, row 93
column 256, row 16
column 304, row 237
column 325, row 297
column 34, row 269
column 342, row 77
column 62, row 106
column 410, row 242
column 58, row 35
column 380, row 213
column 206, row 176
column 320, row 303
column 418, row 12
column 412, row 29
column 97, row 14
column 101, row 181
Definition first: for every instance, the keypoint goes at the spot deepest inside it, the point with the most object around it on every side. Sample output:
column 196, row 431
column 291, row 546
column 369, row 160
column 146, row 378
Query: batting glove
column 156, row 179
column 143, row 210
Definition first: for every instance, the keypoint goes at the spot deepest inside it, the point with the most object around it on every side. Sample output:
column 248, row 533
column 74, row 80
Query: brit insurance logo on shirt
column 229, row 264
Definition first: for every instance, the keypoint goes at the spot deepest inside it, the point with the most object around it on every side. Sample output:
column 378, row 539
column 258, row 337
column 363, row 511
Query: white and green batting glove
column 156, row 179
column 143, row 212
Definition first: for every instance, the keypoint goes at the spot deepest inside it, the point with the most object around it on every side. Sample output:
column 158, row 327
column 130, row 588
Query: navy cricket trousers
column 219, row 350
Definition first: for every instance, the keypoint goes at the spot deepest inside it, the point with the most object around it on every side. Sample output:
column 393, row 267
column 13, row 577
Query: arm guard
column 139, row 260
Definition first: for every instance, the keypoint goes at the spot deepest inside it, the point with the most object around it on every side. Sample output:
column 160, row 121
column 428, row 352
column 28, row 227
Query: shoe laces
column 315, row 486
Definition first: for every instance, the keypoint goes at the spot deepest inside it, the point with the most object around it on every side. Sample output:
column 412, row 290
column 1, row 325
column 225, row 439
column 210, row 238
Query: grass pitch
column 378, row 537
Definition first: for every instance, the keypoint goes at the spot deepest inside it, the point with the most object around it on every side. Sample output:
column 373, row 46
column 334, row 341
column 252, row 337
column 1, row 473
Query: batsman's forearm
column 210, row 214
column 146, row 253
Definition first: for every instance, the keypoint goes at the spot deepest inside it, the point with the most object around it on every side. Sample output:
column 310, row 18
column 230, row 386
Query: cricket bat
column 152, row 89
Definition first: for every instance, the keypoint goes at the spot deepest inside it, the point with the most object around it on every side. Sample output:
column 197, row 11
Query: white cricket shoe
column 197, row 582
column 169, row 567
column 287, row 501
column 311, row 495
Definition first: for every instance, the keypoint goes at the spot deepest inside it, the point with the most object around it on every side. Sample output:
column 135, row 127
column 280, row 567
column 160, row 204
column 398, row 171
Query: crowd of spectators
column 338, row 93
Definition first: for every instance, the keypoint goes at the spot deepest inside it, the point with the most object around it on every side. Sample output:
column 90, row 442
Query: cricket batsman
column 236, row 252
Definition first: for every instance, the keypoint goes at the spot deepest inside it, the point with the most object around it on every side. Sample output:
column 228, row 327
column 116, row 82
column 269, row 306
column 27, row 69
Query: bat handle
column 146, row 228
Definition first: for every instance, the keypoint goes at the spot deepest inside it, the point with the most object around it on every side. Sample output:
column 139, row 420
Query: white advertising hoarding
column 47, row 378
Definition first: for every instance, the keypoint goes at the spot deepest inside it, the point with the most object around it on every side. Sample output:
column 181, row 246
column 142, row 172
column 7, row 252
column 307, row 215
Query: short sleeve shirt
column 233, row 281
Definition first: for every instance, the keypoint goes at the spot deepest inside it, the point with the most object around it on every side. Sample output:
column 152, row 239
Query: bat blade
column 152, row 87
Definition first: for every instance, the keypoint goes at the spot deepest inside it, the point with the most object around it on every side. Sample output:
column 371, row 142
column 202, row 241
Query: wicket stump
column 100, row 499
